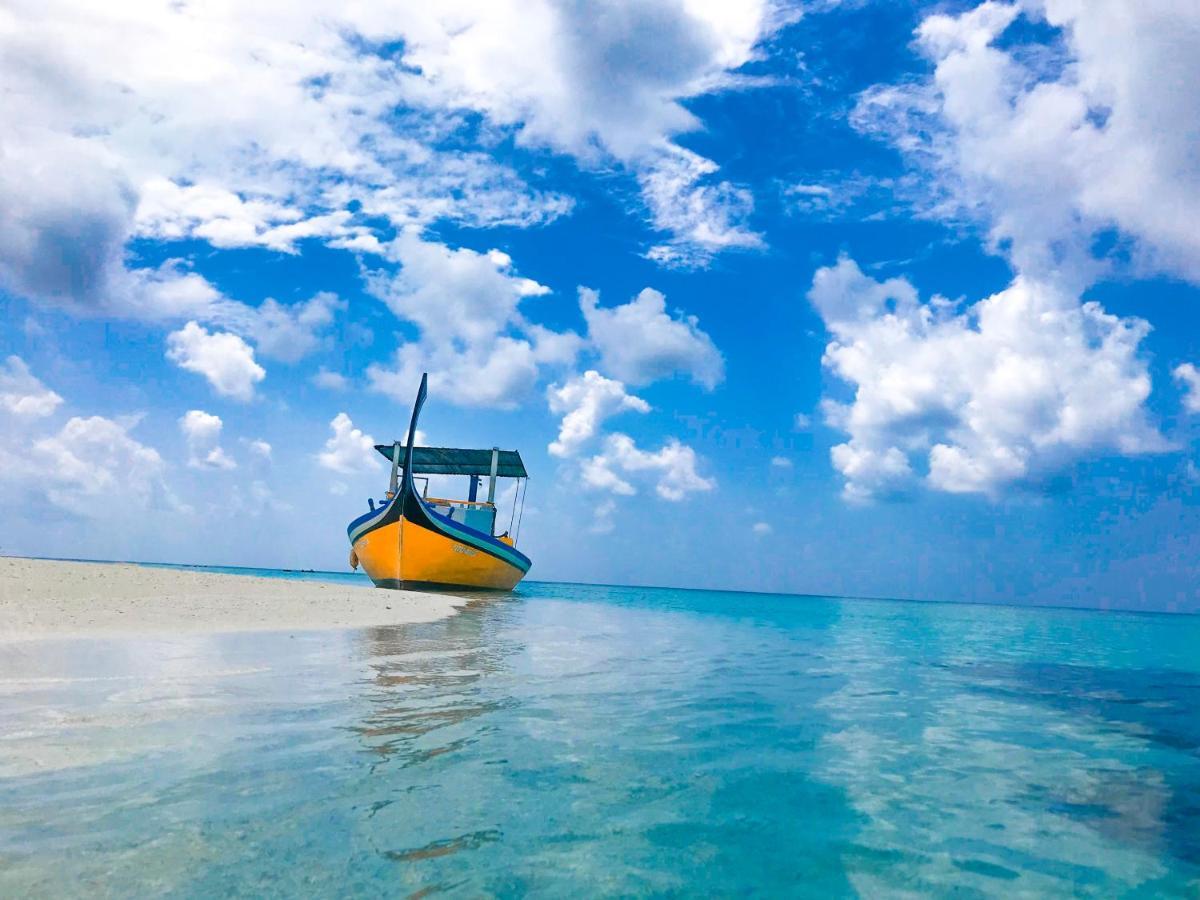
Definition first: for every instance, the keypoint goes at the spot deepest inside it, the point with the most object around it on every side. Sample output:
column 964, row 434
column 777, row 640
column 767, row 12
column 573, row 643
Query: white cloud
column 761, row 529
column 474, row 342
column 597, row 473
column 640, row 342
column 22, row 394
column 203, row 433
column 578, row 81
column 65, row 212
column 497, row 374
column 93, row 465
column 170, row 211
column 1051, row 146
column 290, row 121
column 813, row 198
column 602, row 516
column 260, row 448
column 554, row 348
column 1189, row 377
column 1054, row 146
column 870, row 472
column 224, row 359
column 290, row 332
column 240, row 127
column 349, row 450
column 780, row 462
column 607, row 86
column 585, row 402
column 801, row 422
column 1014, row 387
column 672, row 467
column 703, row 218
column 330, row 381
column 453, row 295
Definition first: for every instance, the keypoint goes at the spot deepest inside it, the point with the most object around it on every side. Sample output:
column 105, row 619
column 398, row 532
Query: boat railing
column 436, row 501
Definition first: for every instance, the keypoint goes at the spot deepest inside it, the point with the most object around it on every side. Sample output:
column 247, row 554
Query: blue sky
column 890, row 299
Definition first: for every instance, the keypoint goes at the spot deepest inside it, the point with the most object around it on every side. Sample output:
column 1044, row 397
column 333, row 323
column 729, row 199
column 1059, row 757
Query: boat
column 413, row 540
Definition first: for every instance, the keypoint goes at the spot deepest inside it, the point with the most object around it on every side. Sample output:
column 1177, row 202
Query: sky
column 890, row 299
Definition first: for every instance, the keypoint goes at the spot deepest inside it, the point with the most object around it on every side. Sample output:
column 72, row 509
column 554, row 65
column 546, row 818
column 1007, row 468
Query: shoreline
column 42, row 598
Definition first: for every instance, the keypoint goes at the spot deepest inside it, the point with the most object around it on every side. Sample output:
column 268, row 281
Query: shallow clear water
column 594, row 740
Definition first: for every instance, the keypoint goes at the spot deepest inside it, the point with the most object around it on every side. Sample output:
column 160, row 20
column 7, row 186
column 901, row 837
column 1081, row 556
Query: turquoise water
column 593, row 741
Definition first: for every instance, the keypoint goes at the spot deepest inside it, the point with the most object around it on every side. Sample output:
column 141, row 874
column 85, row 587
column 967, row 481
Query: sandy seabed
column 42, row 598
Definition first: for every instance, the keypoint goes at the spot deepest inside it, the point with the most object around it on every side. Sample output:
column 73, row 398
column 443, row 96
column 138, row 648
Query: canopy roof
column 456, row 461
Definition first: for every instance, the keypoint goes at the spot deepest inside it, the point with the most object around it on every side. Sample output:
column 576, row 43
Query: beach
column 42, row 598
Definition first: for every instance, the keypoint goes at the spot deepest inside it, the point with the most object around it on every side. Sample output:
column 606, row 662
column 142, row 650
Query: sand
column 42, row 598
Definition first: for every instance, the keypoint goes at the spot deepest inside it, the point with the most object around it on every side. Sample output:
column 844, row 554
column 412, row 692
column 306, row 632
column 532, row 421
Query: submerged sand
column 49, row 598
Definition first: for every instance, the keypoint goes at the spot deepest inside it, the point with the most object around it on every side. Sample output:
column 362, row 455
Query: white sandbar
column 47, row 598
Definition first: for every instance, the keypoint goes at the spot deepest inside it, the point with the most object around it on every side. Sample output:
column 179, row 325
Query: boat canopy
column 457, row 461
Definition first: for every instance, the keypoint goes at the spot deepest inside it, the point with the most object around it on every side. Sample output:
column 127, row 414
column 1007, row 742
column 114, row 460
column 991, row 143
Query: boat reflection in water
column 425, row 690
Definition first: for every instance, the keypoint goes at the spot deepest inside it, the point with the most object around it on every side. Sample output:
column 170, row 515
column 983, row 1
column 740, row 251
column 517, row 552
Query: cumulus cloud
column 780, row 462
column 639, row 342
column 203, row 433
column 598, row 474
column 761, row 529
column 584, row 83
column 349, row 450
column 585, row 402
column 260, row 448
column 65, row 210
column 294, row 122
column 286, row 116
column 1008, row 389
column 330, row 381
column 476, row 345
column 1189, row 377
column 672, row 468
column 290, row 332
column 603, row 516
column 1074, row 159
column 65, row 213
column 605, row 87
column 22, row 394
column 1053, row 150
column 93, row 465
column 224, row 359
column 453, row 294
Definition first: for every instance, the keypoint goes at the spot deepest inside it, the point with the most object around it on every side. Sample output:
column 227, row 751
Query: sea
column 588, row 741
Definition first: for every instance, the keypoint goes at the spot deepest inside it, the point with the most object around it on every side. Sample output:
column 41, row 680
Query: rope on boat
column 524, row 494
column 513, row 515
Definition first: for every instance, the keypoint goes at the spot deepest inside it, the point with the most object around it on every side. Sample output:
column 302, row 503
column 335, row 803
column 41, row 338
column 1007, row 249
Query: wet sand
column 47, row 598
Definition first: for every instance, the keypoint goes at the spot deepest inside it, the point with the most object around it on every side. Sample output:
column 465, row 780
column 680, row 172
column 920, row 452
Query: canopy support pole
column 492, row 477
column 394, row 483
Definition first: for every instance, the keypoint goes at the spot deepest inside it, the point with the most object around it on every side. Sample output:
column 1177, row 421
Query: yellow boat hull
column 405, row 554
column 407, row 542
